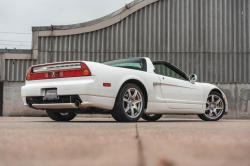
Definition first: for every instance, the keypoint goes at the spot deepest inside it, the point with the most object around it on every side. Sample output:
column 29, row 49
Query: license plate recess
column 51, row 94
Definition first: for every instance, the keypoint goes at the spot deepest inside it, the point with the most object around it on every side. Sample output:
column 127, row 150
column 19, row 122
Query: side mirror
column 193, row 78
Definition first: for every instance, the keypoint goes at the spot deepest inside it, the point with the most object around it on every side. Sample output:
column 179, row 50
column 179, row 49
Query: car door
column 177, row 89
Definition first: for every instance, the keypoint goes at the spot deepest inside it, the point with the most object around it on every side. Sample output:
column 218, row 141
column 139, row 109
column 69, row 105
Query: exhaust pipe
column 77, row 103
column 30, row 104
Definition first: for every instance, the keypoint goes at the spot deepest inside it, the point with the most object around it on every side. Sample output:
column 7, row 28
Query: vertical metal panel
column 1, row 98
column 16, row 69
column 207, row 37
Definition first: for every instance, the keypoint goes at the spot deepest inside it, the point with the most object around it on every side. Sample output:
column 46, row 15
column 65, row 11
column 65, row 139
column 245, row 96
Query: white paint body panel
column 181, row 94
column 165, row 96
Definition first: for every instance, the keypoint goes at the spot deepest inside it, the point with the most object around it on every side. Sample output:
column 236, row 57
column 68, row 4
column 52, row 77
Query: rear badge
column 53, row 74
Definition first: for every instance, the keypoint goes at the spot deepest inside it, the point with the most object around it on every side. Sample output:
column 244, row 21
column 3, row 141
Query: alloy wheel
column 64, row 113
column 132, row 103
column 214, row 106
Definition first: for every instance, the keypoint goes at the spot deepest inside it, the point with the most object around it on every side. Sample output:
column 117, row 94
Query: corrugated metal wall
column 16, row 69
column 207, row 37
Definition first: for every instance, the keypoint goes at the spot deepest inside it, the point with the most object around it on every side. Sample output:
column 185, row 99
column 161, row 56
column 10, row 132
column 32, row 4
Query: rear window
column 134, row 63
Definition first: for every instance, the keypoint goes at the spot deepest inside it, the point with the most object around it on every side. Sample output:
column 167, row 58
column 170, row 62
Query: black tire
column 57, row 116
column 149, row 117
column 118, row 112
column 207, row 118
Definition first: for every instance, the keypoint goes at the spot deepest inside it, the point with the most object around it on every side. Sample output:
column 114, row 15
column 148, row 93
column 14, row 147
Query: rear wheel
column 151, row 117
column 129, row 104
column 61, row 116
column 215, row 107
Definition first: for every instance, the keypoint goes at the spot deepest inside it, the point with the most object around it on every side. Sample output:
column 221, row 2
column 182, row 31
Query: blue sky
column 21, row 15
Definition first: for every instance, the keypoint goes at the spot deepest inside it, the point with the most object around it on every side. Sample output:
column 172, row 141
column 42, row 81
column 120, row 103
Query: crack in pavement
column 141, row 160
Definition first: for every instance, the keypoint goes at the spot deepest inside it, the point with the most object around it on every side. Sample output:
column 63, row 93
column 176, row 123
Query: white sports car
column 129, row 89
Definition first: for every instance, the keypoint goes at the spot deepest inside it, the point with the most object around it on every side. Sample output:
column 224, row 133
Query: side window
column 164, row 70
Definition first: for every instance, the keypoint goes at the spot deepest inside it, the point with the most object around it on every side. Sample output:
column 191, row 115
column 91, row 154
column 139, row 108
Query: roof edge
column 17, row 51
column 85, row 24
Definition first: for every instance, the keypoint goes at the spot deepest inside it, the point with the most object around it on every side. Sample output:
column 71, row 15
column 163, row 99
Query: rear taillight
column 83, row 70
column 28, row 77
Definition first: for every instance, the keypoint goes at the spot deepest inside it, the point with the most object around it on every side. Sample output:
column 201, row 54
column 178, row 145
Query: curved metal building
column 210, row 38
column 206, row 37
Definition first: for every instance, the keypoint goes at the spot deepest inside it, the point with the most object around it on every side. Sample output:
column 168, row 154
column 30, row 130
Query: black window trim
column 172, row 67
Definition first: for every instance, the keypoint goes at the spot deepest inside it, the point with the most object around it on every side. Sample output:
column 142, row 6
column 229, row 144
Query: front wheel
column 129, row 104
column 61, row 116
column 215, row 107
column 151, row 117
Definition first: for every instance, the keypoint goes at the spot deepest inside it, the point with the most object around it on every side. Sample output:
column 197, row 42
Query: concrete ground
column 89, row 141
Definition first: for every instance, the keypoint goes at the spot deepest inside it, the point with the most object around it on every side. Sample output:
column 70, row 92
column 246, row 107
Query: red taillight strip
column 84, row 71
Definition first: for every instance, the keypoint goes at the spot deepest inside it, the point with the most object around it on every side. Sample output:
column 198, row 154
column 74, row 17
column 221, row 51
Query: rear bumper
column 65, row 86
column 55, row 106
column 85, row 87
column 87, row 101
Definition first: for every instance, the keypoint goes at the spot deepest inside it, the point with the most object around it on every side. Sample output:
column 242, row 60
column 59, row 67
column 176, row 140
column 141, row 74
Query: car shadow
column 141, row 121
